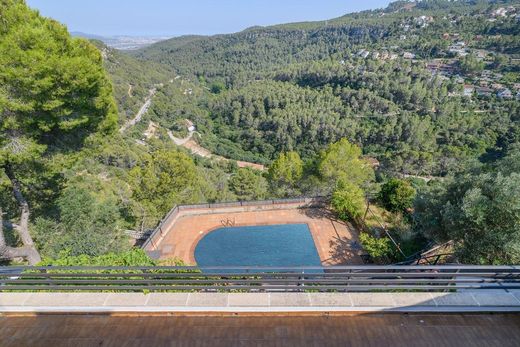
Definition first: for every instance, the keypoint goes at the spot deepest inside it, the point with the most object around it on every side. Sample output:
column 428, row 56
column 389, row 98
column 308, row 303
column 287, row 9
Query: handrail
column 382, row 268
column 258, row 279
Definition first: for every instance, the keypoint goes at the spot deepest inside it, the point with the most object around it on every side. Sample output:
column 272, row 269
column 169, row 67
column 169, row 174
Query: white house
column 468, row 90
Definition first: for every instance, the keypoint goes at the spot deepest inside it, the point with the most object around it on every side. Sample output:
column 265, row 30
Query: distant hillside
column 86, row 36
column 131, row 78
column 391, row 80
column 122, row 42
column 250, row 53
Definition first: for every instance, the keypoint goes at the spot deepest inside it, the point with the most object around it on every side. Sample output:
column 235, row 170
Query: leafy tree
column 217, row 87
column 499, row 60
column 480, row 210
column 471, row 65
column 248, row 184
column 53, row 94
column 285, row 172
column 378, row 248
column 397, row 195
column 348, row 201
column 169, row 177
column 342, row 162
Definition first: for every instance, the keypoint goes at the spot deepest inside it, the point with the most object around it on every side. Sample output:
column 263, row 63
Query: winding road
column 187, row 142
column 140, row 113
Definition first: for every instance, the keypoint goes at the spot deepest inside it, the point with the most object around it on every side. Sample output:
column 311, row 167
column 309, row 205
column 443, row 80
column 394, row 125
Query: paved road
column 140, row 113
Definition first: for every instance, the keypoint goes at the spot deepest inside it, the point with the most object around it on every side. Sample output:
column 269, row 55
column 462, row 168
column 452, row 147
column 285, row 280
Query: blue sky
column 175, row 17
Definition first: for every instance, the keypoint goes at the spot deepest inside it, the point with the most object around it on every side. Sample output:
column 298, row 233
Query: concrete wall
column 476, row 301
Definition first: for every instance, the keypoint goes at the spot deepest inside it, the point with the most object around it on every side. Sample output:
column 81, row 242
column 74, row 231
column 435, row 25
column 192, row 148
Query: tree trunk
column 28, row 250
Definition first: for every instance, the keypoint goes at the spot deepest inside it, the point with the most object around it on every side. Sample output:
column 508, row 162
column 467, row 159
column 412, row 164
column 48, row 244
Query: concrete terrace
column 374, row 329
column 336, row 241
column 485, row 316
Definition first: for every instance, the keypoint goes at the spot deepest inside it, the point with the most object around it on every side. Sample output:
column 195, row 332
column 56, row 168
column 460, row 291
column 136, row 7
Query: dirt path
column 424, row 178
column 178, row 141
column 189, row 143
column 140, row 113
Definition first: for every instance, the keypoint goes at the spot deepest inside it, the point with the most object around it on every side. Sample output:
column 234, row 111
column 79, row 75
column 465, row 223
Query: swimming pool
column 265, row 245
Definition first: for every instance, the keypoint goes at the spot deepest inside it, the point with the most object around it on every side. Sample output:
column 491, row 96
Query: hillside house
column 423, row 21
column 190, row 125
column 363, row 53
column 468, row 90
column 437, row 67
column 505, row 93
column 481, row 54
column 484, row 91
column 499, row 12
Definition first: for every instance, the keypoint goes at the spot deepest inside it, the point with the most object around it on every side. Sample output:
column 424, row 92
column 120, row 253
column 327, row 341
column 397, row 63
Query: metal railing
column 258, row 279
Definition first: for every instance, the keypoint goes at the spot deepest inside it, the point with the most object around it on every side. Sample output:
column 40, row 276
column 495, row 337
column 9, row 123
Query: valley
column 411, row 112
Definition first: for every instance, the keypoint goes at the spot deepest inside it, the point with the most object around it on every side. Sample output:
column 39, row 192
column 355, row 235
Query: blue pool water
column 266, row 245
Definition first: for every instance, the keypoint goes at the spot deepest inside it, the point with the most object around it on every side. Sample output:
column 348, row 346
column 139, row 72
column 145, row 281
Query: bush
column 377, row 248
column 88, row 224
column 133, row 257
column 397, row 195
column 348, row 201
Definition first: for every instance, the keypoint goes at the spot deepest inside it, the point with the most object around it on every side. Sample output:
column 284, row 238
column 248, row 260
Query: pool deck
column 336, row 241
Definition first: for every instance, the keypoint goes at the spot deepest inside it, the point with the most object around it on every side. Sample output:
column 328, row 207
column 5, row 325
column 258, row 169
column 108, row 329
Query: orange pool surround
column 336, row 241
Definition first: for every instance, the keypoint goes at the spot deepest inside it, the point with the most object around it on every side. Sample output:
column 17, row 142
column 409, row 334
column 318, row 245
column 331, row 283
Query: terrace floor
column 337, row 242
column 369, row 329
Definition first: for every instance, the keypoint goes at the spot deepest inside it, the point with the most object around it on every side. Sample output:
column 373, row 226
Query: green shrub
column 348, row 201
column 377, row 248
column 133, row 257
column 397, row 195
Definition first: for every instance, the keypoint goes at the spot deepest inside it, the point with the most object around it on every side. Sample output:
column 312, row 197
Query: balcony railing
column 259, row 279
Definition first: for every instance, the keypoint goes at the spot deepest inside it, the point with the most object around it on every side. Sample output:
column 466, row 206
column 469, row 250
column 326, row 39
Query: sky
column 203, row 17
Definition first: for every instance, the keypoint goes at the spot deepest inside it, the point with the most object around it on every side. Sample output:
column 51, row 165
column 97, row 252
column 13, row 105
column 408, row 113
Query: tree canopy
column 54, row 93
column 480, row 210
column 248, row 185
column 285, row 172
column 397, row 195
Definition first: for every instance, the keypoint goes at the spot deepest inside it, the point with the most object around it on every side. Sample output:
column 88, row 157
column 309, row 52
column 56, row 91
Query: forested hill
column 70, row 183
column 248, row 54
column 421, row 86
column 368, row 105
column 131, row 79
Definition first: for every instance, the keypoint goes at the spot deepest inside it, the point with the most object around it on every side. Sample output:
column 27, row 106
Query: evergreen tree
column 53, row 94
column 397, row 195
column 248, row 185
column 285, row 172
